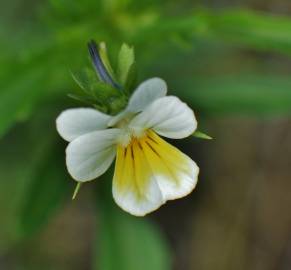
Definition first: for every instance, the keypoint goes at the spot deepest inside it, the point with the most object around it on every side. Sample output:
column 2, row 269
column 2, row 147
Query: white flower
column 148, row 170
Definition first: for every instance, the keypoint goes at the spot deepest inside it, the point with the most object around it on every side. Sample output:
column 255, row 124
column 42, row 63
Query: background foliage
column 225, row 61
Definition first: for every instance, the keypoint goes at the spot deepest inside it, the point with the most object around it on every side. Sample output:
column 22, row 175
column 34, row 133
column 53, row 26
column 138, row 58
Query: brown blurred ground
column 244, row 221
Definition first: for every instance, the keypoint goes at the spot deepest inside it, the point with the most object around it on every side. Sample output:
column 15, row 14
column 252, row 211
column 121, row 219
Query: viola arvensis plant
column 148, row 170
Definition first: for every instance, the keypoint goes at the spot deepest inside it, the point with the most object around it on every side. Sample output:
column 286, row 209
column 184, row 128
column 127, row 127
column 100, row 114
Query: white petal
column 90, row 155
column 73, row 123
column 168, row 116
column 146, row 93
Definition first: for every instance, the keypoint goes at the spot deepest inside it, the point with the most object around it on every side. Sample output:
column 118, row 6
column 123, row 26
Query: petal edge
column 90, row 155
column 168, row 116
column 73, row 123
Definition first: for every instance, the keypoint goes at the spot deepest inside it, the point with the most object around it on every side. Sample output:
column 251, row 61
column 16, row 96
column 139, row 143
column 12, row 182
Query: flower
column 148, row 170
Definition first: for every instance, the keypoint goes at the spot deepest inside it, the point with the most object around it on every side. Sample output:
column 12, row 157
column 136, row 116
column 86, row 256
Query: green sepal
column 131, row 81
column 99, row 94
column 82, row 98
column 201, row 135
column 126, row 66
column 76, row 190
column 105, row 60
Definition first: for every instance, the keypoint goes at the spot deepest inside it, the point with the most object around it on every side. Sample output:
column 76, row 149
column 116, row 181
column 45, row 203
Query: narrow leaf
column 248, row 94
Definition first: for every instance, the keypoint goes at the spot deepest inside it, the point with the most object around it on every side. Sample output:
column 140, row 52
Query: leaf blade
column 131, row 241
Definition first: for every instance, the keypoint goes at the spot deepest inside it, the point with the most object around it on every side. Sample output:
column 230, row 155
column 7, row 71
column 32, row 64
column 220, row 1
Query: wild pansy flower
column 148, row 170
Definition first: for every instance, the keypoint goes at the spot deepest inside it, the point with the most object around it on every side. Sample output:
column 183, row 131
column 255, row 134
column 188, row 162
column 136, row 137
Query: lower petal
column 148, row 172
column 134, row 188
column 175, row 172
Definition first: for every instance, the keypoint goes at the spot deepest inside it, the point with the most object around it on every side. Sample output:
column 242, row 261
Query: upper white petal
column 73, row 123
column 168, row 116
column 146, row 93
column 90, row 155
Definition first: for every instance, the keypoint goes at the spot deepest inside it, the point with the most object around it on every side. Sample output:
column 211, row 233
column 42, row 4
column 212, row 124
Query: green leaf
column 131, row 242
column 33, row 167
column 248, row 94
column 254, row 29
column 125, row 63
column 16, row 97
column 47, row 184
column 25, row 85
column 201, row 135
column 48, row 187
column 125, row 242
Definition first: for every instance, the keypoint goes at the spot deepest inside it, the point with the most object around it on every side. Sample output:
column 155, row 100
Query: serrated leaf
column 125, row 61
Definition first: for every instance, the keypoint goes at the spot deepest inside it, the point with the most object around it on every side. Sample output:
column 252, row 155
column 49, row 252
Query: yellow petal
column 148, row 172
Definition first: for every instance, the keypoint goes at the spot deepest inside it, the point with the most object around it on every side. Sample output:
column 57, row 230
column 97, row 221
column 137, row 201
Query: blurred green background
column 230, row 60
